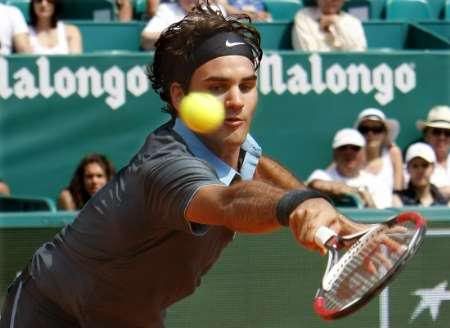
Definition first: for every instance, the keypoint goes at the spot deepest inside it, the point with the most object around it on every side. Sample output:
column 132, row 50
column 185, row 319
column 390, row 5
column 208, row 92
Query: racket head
column 369, row 264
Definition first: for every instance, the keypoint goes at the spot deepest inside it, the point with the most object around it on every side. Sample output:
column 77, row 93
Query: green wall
column 54, row 110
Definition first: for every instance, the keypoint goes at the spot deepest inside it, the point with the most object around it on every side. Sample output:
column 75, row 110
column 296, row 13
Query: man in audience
column 326, row 27
column 13, row 31
column 436, row 132
column 124, row 10
column 346, row 175
column 167, row 14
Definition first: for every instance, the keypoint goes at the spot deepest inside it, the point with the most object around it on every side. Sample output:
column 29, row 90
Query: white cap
column 422, row 150
column 348, row 136
column 438, row 117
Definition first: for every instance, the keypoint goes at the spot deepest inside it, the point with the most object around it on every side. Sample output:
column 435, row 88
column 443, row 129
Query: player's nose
column 234, row 100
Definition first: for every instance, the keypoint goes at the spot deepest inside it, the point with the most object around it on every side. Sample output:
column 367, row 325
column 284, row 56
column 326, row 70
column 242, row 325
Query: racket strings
column 354, row 278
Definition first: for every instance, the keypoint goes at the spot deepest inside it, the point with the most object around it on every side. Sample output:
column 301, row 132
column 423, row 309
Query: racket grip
column 323, row 235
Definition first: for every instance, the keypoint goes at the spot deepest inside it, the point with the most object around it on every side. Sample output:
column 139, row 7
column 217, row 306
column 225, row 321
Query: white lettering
column 25, row 87
column 5, row 89
column 271, row 71
column 383, row 83
column 114, row 85
column 298, row 81
column 336, row 79
column 316, row 73
column 137, row 82
column 89, row 76
column 45, row 87
column 405, row 78
column 65, row 83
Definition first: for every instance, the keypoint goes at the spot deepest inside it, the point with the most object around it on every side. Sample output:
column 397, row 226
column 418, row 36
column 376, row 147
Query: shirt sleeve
column 170, row 185
column 304, row 35
column 18, row 21
column 160, row 21
column 319, row 175
column 349, row 34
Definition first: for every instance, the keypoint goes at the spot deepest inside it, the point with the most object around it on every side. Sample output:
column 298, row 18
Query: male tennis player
column 145, row 239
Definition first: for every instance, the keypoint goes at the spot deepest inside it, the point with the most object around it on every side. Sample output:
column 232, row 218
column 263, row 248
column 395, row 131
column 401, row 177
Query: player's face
column 94, row 177
column 232, row 79
column 349, row 160
column 420, row 172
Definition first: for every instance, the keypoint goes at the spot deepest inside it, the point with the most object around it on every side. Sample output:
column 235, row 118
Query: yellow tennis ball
column 202, row 112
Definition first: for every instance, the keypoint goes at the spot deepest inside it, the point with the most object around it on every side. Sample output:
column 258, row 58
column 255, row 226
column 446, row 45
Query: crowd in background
column 366, row 164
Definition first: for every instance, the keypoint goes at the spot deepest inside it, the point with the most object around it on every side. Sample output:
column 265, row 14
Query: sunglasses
column 438, row 132
column 374, row 129
column 349, row 147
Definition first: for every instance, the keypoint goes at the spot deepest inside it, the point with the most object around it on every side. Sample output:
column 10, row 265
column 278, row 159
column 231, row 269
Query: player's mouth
column 233, row 122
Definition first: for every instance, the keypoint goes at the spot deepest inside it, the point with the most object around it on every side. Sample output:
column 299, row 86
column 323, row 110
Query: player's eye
column 246, row 87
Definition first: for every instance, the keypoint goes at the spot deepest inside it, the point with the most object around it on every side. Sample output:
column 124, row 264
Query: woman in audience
column 91, row 175
column 326, row 27
column 383, row 158
column 420, row 163
column 436, row 133
column 49, row 35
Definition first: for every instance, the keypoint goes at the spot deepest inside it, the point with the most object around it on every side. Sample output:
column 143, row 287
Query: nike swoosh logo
column 232, row 44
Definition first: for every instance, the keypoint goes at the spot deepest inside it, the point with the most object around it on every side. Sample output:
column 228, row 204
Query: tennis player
column 145, row 239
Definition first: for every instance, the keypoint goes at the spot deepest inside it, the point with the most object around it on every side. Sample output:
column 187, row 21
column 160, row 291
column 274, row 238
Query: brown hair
column 77, row 187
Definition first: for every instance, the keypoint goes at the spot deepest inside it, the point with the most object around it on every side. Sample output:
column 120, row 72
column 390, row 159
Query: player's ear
column 176, row 95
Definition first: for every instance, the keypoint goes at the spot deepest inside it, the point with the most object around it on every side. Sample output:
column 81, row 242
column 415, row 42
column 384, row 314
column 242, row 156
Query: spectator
column 48, row 34
column 124, row 10
column 420, row 163
column 255, row 9
column 4, row 189
column 326, row 28
column 383, row 158
column 167, row 14
column 91, row 174
column 152, row 6
column 346, row 175
column 436, row 132
column 13, row 31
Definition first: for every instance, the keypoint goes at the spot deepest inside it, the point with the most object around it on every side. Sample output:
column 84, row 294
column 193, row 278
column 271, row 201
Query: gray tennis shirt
column 130, row 253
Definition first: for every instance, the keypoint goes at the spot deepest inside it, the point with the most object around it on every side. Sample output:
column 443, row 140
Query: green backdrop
column 54, row 110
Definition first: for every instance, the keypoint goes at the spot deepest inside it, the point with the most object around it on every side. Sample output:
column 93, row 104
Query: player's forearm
column 270, row 171
column 247, row 206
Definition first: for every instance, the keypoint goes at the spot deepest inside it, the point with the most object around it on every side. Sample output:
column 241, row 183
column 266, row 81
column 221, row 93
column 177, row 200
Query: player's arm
column 272, row 172
column 259, row 207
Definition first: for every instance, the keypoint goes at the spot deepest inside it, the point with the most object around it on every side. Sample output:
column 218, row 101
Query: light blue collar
column 225, row 172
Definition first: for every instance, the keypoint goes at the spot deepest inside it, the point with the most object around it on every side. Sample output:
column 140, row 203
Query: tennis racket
column 361, row 265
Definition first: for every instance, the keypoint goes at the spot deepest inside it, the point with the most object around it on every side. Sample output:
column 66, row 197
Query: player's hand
column 308, row 217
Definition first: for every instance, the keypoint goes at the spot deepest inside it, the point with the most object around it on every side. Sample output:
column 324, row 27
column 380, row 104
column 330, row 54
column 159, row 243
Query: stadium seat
column 139, row 9
column 23, row 5
column 97, row 10
column 26, row 204
column 447, row 10
column 408, row 10
column 283, row 9
column 437, row 8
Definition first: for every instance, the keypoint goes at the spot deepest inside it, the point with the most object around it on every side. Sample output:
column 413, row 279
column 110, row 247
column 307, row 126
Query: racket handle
column 323, row 235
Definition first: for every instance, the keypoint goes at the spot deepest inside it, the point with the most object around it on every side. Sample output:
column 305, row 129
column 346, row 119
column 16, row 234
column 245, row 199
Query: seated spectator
column 91, row 174
column 166, row 14
column 420, row 163
column 124, row 10
column 49, row 35
column 13, row 31
column 383, row 158
column 152, row 6
column 326, row 27
column 346, row 175
column 436, row 132
column 4, row 189
column 255, row 9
